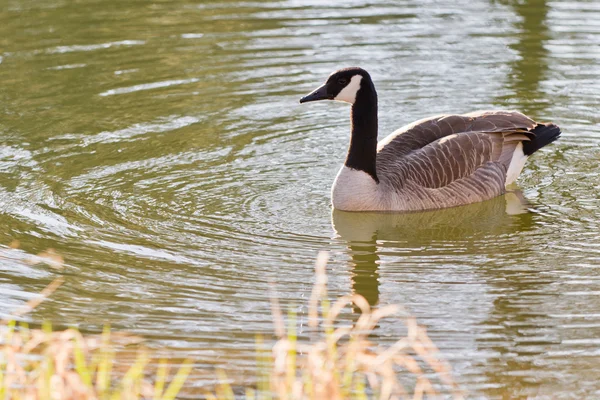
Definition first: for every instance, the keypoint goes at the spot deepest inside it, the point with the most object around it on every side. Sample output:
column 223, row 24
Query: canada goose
column 437, row 162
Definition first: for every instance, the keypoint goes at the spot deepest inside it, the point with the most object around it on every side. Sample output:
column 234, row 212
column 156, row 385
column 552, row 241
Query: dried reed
column 38, row 364
column 66, row 365
column 342, row 363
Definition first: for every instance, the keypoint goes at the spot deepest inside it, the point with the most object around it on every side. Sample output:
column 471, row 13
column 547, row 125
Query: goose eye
column 343, row 81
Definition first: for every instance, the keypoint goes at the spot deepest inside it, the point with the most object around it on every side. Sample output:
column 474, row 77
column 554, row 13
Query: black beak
column 318, row 94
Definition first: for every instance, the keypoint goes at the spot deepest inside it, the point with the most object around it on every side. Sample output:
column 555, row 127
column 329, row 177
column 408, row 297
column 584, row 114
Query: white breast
column 355, row 190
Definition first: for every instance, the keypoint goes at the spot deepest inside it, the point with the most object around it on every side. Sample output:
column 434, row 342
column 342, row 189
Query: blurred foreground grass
column 338, row 362
column 42, row 364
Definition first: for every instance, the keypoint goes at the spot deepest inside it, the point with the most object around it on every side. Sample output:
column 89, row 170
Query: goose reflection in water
column 412, row 234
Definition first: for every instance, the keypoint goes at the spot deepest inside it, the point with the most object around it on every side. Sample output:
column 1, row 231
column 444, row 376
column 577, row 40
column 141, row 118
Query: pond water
column 160, row 148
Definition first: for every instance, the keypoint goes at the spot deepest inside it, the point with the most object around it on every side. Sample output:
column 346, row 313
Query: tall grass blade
column 80, row 364
column 161, row 377
column 178, row 380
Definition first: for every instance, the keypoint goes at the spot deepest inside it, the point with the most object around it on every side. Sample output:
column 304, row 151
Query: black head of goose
column 436, row 162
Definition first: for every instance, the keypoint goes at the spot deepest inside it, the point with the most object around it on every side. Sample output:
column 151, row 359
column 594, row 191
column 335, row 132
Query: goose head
column 342, row 85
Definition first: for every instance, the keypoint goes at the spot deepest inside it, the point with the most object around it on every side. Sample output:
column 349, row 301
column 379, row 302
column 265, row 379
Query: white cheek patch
column 348, row 94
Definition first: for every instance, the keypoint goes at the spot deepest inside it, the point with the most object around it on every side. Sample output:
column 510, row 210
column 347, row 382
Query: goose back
column 449, row 160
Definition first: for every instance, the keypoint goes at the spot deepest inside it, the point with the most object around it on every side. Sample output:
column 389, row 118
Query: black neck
column 363, row 143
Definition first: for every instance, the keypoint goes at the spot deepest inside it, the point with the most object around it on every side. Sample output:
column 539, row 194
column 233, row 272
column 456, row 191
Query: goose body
column 438, row 162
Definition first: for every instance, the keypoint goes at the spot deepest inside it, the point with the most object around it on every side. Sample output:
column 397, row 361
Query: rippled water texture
column 160, row 148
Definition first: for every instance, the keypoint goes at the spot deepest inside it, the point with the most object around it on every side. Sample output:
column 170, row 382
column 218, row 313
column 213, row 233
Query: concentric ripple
column 162, row 151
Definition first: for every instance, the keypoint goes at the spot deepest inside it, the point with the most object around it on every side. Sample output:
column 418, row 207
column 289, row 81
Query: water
column 160, row 148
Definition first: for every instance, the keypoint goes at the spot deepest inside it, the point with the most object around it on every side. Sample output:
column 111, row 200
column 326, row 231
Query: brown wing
column 419, row 134
column 454, row 158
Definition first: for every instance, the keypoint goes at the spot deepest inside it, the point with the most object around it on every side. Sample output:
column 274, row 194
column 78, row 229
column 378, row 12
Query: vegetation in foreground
column 339, row 362
column 39, row 364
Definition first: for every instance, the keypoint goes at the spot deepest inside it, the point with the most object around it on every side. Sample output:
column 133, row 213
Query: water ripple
column 179, row 205
column 148, row 86
column 93, row 47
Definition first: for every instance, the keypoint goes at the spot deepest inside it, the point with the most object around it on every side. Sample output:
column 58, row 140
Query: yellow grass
column 39, row 364
column 341, row 362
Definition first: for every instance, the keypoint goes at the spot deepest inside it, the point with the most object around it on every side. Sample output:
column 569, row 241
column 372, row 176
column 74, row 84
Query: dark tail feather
column 540, row 136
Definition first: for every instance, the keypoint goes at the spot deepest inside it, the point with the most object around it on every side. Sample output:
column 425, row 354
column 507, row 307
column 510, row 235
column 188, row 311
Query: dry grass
column 38, row 364
column 342, row 363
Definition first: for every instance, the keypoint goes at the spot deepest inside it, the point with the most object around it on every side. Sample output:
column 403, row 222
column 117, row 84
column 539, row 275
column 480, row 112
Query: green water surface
column 160, row 148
